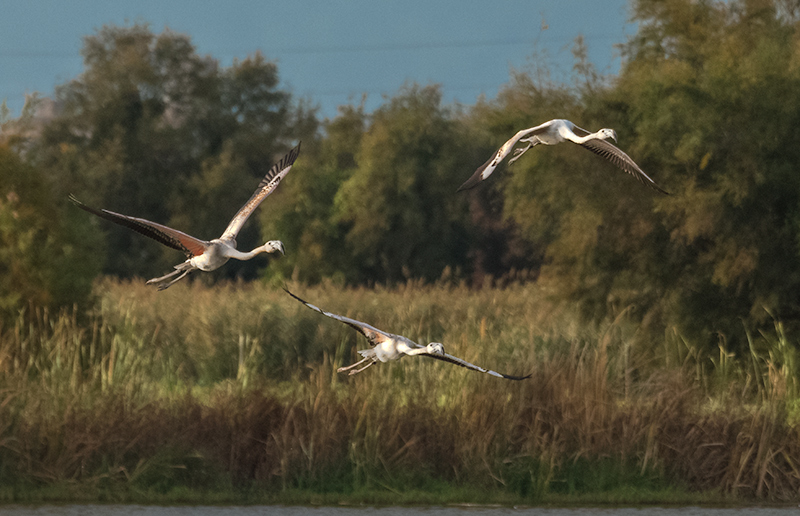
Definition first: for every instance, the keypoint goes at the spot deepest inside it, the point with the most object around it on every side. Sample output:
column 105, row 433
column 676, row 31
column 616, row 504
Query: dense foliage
column 712, row 91
column 706, row 102
column 45, row 250
column 151, row 128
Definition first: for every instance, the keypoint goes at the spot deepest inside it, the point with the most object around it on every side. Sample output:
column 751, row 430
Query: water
column 276, row 510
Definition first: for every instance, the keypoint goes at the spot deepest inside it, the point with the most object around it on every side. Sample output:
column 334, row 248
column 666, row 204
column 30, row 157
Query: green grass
column 452, row 495
column 230, row 395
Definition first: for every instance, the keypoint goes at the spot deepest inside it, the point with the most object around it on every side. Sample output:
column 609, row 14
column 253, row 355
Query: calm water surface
column 275, row 510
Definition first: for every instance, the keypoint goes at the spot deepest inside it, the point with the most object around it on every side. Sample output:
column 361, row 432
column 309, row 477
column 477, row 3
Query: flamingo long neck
column 408, row 350
column 232, row 252
column 591, row 136
column 599, row 135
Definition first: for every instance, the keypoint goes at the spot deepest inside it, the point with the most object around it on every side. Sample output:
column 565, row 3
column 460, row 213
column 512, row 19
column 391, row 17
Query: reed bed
column 234, row 388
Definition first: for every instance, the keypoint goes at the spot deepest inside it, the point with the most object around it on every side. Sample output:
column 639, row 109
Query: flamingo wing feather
column 463, row 363
column 615, row 155
column 373, row 335
column 173, row 238
column 265, row 187
column 500, row 154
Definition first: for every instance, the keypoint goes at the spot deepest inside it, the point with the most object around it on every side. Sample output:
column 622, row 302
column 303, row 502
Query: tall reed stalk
column 235, row 387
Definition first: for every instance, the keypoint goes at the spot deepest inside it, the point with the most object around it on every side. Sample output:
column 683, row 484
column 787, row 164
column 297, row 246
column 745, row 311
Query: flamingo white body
column 388, row 346
column 201, row 254
column 557, row 131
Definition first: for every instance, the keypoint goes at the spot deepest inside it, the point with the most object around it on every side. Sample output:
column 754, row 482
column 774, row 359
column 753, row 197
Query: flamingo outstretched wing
column 463, row 363
column 373, row 335
column 615, row 155
column 265, row 187
column 173, row 238
column 487, row 168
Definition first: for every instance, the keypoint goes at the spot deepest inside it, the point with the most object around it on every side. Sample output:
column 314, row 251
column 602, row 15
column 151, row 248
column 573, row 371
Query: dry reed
column 237, row 388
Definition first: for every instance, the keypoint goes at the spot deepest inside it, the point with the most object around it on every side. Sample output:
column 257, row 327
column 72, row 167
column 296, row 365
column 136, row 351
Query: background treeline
column 707, row 102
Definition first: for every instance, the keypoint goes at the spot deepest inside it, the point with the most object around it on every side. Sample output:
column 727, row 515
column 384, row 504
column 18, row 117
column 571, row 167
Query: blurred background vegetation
column 641, row 315
column 707, row 102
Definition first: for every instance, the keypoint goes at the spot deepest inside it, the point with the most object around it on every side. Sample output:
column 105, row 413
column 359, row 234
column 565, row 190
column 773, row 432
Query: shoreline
column 68, row 494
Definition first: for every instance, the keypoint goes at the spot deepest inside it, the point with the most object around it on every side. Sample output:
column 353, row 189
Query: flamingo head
column 606, row 133
column 435, row 348
column 273, row 246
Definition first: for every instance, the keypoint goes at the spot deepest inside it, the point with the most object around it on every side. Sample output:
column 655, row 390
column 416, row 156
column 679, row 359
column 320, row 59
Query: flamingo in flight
column 387, row 346
column 202, row 254
column 557, row 131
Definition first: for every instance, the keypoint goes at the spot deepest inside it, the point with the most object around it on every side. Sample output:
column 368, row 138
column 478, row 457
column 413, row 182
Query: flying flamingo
column 387, row 346
column 557, row 131
column 202, row 254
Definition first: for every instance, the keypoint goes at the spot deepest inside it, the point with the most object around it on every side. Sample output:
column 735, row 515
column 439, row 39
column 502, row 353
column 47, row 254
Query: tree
column 713, row 90
column 46, row 257
column 708, row 103
column 152, row 129
column 376, row 202
column 303, row 212
column 402, row 215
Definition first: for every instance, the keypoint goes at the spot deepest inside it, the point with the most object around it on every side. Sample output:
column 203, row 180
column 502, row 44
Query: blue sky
column 329, row 51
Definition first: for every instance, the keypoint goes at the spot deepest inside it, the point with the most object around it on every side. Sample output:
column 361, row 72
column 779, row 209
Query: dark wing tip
column 285, row 162
column 289, row 159
column 74, row 200
column 292, row 155
column 282, row 164
column 306, row 303
column 468, row 184
column 294, row 296
column 658, row 188
column 619, row 158
column 511, row 377
column 475, row 178
column 648, row 181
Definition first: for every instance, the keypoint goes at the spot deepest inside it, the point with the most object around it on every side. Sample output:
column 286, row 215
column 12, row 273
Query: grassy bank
column 230, row 395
